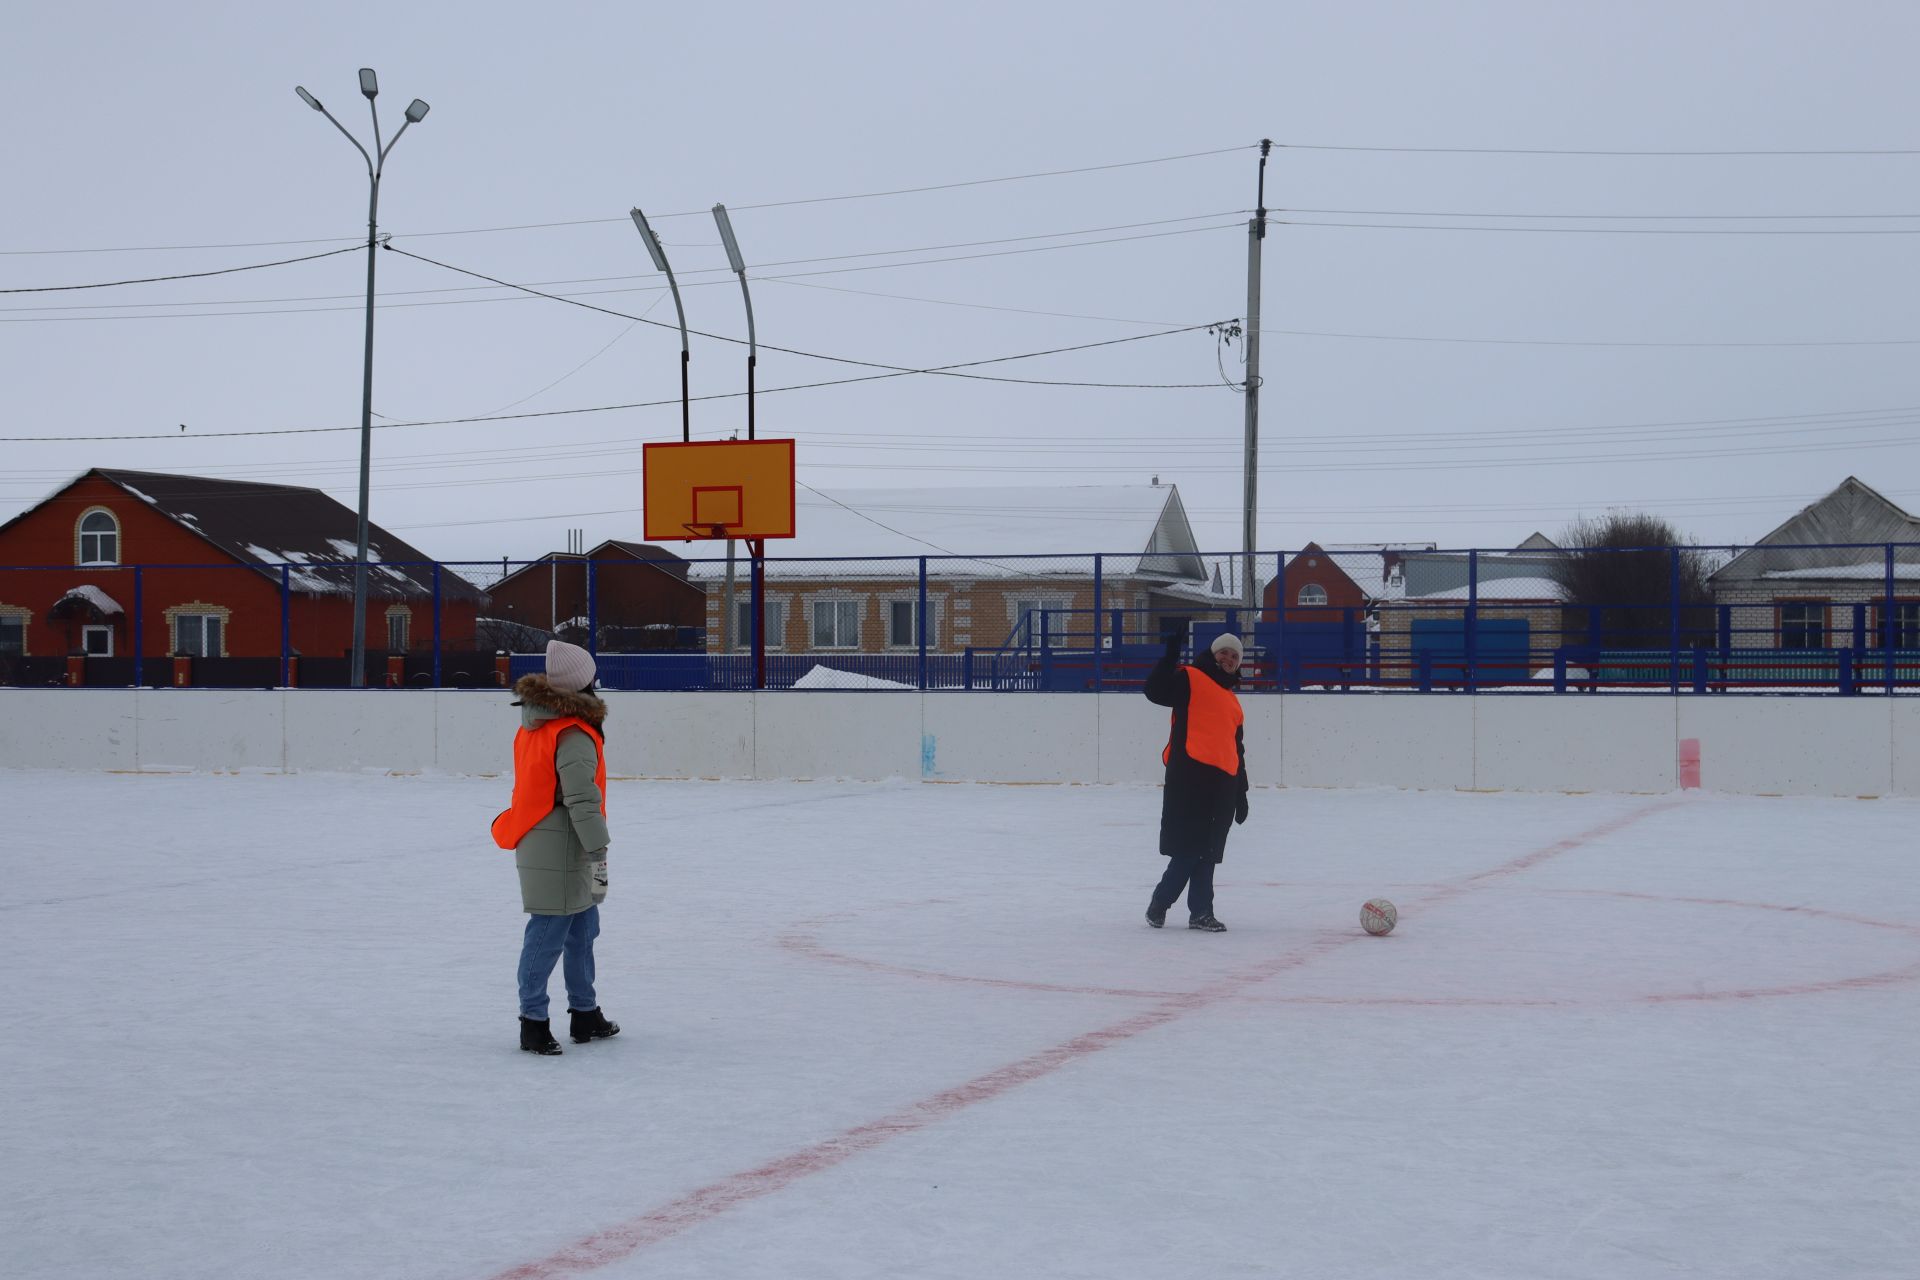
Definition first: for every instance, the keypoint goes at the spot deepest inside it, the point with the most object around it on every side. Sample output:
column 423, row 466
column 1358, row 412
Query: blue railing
column 1841, row 619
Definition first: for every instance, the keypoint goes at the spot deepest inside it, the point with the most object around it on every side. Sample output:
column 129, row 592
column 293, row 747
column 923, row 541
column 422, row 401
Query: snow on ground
column 263, row 1026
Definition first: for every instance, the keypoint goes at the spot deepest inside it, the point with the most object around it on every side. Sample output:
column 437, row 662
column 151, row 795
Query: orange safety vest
column 535, row 779
column 1213, row 719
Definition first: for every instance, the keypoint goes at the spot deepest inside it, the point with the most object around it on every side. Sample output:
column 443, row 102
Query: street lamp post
column 755, row 547
column 660, row 264
column 376, row 162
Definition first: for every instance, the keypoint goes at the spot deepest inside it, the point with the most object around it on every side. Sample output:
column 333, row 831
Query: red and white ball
column 1378, row 916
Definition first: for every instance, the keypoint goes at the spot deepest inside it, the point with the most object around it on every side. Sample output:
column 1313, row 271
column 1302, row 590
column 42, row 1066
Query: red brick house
column 641, row 596
column 119, row 564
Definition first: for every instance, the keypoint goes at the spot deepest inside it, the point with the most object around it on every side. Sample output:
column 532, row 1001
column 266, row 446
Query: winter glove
column 598, row 859
column 1240, row 808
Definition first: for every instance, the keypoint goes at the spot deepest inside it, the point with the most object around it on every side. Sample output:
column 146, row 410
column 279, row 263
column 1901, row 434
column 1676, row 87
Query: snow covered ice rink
column 263, row 1026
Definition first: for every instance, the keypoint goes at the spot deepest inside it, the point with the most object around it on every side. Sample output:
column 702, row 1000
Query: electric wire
column 184, row 275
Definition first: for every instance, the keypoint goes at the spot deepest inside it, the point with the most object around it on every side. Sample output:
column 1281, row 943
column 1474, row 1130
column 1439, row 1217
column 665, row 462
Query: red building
column 124, row 564
column 641, row 597
column 1315, row 588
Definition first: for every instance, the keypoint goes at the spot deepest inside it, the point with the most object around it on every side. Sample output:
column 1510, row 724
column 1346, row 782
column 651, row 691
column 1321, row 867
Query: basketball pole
column 1256, row 233
column 660, row 263
column 754, row 546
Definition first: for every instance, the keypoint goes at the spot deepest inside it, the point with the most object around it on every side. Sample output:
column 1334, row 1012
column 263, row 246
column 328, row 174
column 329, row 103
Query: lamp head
column 416, row 111
column 652, row 242
column 308, row 98
column 725, row 224
column 369, row 83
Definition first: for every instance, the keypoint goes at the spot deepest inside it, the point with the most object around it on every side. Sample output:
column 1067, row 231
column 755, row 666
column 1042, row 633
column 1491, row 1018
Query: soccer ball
column 1378, row 916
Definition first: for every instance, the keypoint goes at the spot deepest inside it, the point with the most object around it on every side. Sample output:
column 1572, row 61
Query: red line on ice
column 696, row 1207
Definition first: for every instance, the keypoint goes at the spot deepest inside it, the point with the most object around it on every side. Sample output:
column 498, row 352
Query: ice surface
column 263, row 1026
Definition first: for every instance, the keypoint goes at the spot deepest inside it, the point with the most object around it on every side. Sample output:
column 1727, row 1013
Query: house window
column 901, row 631
column 1905, row 618
column 99, row 538
column 96, row 641
column 1803, row 624
column 1312, row 595
column 13, row 635
column 776, row 619
column 197, row 634
column 398, row 620
column 1030, row 615
column 836, row 624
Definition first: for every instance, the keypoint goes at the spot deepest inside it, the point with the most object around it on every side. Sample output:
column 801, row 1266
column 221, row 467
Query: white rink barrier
column 1866, row 746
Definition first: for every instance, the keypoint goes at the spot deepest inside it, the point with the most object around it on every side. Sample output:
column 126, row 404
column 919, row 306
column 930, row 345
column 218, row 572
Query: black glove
column 1240, row 808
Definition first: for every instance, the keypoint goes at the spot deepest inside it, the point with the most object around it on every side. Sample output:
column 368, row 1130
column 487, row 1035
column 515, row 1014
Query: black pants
column 1195, row 875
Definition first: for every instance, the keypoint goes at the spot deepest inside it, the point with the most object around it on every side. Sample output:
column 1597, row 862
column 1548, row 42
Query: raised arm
column 1165, row 685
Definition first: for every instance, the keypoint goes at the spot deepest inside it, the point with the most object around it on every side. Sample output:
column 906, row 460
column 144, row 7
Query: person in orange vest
column 557, row 829
column 1206, row 759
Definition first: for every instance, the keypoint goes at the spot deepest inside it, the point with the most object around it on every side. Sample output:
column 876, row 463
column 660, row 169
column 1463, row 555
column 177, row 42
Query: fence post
column 1099, row 655
column 1890, row 623
column 436, row 625
column 1699, row 670
column 1426, row 671
column 920, row 621
column 1470, row 680
column 966, row 669
column 1559, row 670
column 593, row 612
column 139, row 618
column 1673, row 622
column 286, row 625
column 1726, row 642
column 1847, row 686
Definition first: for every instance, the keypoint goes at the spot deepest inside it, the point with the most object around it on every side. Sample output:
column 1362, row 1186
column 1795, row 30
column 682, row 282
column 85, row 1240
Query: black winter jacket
column 1196, row 809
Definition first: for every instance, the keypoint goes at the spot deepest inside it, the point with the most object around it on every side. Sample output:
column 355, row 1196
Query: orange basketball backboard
column 718, row 489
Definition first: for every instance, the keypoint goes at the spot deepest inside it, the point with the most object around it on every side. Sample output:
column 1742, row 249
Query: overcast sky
column 1482, row 383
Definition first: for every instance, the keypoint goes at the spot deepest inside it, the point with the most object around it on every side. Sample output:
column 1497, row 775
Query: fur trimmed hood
column 535, row 691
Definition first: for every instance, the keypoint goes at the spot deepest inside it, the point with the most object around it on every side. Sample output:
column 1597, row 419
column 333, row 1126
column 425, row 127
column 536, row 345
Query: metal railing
column 1839, row 619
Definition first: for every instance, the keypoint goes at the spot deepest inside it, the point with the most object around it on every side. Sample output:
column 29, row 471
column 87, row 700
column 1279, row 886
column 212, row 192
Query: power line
column 726, row 272
column 456, row 302
column 1553, row 151
column 700, row 213
column 1609, row 217
column 188, row 275
column 893, row 372
column 1614, row 231
column 951, row 371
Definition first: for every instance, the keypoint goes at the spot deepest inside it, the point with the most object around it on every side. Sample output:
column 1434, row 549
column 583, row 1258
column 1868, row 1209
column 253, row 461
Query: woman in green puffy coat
column 557, row 829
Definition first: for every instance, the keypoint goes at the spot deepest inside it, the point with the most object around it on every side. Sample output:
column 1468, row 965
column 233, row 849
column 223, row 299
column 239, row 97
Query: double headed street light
column 376, row 162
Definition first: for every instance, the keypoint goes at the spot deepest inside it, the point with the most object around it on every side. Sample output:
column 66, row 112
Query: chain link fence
column 1828, row 618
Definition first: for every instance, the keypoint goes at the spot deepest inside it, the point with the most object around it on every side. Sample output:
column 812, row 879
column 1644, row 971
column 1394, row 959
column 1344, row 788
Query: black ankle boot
column 537, row 1037
column 591, row 1024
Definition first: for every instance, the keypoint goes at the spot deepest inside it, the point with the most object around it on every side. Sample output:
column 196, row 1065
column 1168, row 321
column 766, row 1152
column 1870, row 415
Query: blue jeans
column 1195, row 877
column 547, row 937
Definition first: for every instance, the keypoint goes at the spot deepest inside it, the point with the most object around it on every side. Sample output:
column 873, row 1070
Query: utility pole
column 1256, row 232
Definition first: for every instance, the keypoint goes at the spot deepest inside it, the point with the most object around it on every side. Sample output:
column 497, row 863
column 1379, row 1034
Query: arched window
column 1311, row 595
column 99, row 538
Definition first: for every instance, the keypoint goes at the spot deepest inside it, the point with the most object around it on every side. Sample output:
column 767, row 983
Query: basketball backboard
column 717, row 489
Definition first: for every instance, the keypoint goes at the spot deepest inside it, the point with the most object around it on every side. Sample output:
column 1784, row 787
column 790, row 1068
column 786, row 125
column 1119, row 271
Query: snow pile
column 821, row 677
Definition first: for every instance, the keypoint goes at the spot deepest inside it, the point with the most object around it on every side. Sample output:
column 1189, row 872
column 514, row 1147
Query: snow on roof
column 96, row 597
column 1868, row 571
column 1503, row 591
column 998, row 531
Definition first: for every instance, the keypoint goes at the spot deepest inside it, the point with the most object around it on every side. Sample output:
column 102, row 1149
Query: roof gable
column 1852, row 513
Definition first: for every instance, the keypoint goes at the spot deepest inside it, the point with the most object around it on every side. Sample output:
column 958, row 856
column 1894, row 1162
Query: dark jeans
column 546, row 938
column 1195, row 875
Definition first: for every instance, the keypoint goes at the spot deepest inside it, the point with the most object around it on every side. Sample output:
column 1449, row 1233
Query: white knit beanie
column 1227, row 640
column 569, row 667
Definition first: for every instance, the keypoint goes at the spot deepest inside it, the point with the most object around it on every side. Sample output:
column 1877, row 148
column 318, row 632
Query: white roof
column 1871, row 571
column 992, row 527
column 95, row 597
column 1503, row 591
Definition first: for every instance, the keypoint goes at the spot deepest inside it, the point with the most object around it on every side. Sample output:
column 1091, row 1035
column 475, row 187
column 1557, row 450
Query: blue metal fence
column 1836, row 619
